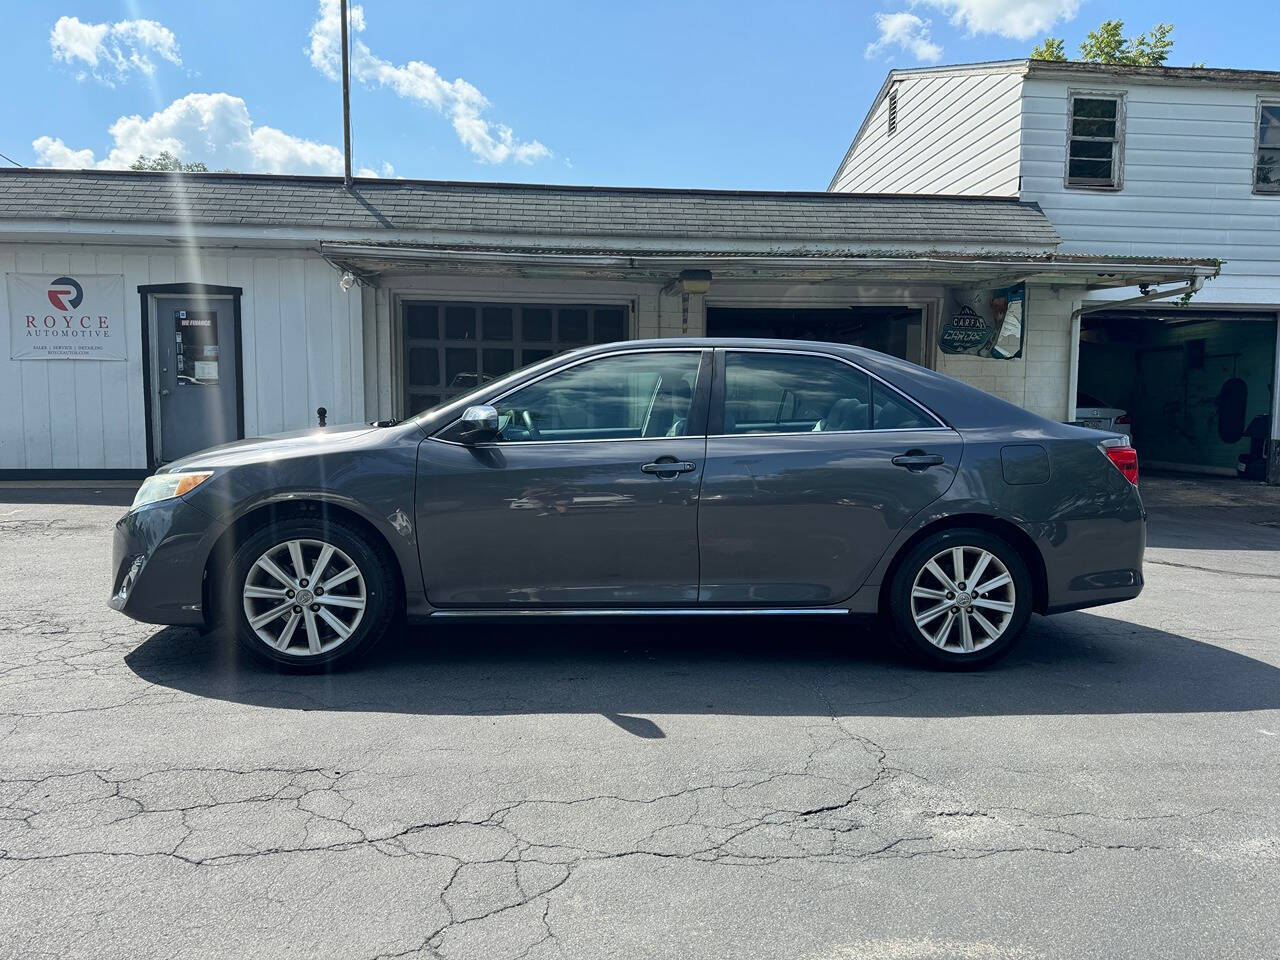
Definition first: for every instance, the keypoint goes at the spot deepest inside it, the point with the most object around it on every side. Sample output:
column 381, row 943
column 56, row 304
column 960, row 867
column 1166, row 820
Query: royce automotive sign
column 75, row 316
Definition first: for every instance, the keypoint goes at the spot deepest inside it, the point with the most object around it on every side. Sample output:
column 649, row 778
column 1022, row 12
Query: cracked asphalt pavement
column 660, row 790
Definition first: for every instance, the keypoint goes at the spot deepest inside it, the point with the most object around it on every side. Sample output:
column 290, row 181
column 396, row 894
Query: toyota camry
column 649, row 478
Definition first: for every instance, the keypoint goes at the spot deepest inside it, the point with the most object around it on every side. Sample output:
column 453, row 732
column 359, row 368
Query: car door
column 812, row 467
column 589, row 495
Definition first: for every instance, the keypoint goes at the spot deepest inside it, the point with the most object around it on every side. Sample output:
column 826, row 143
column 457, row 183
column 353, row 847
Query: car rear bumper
column 158, row 563
column 1090, row 562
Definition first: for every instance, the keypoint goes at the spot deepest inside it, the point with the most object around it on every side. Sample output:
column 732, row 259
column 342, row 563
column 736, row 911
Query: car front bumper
column 158, row 563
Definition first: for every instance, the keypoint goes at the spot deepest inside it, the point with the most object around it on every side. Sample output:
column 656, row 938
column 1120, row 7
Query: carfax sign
column 985, row 323
column 66, row 317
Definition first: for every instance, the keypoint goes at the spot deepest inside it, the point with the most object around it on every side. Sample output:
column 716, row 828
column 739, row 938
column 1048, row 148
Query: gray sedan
column 649, row 478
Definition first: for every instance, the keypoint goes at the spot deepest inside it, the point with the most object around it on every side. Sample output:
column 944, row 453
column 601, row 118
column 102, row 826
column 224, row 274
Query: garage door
column 450, row 346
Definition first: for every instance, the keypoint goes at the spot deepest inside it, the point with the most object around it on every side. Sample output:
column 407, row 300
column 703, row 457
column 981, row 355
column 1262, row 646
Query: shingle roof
column 488, row 208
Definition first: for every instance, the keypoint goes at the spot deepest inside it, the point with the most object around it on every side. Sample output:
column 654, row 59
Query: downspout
column 1189, row 288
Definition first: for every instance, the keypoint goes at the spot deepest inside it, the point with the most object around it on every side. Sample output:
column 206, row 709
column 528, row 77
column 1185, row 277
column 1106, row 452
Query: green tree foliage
column 1108, row 44
column 166, row 162
column 1051, row 49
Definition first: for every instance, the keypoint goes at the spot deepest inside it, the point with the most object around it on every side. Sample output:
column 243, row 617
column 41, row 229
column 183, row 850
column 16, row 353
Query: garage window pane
column 460, row 323
column 533, row 356
column 424, row 367
column 573, row 326
column 498, row 362
column 535, row 323
column 421, row 322
column 460, row 368
column 497, row 323
column 611, row 326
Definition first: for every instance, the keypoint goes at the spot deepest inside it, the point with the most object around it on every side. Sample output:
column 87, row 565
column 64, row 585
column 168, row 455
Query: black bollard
column 321, row 414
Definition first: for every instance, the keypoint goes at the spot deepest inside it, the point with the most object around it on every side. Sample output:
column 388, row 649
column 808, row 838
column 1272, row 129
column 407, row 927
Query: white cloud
column 907, row 32
column 490, row 141
column 214, row 128
column 109, row 51
column 1016, row 19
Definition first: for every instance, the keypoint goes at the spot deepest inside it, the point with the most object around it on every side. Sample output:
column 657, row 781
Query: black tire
column 950, row 655
column 377, row 578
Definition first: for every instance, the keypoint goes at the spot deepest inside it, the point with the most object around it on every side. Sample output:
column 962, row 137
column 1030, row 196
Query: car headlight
column 164, row 486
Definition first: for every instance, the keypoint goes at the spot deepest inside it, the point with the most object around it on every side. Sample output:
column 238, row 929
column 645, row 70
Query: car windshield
column 1088, row 400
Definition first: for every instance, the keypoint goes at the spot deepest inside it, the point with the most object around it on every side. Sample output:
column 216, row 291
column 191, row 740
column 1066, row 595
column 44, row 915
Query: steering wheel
column 526, row 420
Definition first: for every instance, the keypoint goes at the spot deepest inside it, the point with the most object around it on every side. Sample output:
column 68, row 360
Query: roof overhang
column 373, row 261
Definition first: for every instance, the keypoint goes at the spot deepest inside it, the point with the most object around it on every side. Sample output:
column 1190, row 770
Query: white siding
column 956, row 134
column 301, row 345
column 1187, row 190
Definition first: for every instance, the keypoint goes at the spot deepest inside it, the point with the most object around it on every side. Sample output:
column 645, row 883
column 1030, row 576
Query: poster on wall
column 77, row 316
column 985, row 323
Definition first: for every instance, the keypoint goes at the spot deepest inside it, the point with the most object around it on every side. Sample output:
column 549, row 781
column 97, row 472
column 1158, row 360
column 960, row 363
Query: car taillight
column 1123, row 418
column 1123, row 456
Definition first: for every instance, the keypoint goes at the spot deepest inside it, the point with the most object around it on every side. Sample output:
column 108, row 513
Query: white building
column 1127, row 161
column 149, row 315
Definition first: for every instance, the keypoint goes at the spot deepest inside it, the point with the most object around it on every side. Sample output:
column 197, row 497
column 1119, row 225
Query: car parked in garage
column 1092, row 412
column 672, row 477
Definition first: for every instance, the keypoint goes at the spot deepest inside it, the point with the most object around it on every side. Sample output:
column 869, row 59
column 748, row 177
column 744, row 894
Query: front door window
column 629, row 397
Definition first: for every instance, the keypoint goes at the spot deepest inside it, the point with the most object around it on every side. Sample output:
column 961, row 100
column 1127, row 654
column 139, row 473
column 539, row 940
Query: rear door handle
column 918, row 461
column 667, row 468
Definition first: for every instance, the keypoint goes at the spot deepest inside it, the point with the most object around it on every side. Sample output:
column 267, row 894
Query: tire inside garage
column 1198, row 387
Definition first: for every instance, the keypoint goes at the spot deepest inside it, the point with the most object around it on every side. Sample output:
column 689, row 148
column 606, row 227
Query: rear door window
column 793, row 393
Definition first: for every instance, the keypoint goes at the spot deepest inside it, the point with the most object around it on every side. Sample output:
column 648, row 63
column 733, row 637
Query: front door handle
column 918, row 461
column 668, row 468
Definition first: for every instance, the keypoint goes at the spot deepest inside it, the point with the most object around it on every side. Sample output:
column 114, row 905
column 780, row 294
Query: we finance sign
column 66, row 316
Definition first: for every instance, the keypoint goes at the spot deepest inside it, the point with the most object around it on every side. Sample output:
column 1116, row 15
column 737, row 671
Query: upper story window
column 1095, row 141
column 1266, row 174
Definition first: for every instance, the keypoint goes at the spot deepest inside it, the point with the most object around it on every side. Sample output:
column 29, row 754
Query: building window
column 893, row 110
column 1095, row 141
column 450, row 347
column 1266, row 175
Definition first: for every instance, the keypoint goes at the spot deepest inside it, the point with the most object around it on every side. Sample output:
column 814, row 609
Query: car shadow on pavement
column 1076, row 663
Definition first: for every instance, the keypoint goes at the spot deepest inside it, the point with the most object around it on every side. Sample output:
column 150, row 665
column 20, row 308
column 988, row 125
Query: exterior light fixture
column 347, row 280
column 695, row 281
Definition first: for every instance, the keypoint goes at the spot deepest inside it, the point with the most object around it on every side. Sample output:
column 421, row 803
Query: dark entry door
column 588, row 497
column 812, row 468
column 198, row 384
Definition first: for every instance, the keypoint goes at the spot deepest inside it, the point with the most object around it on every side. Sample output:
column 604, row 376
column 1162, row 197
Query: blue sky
column 714, row 94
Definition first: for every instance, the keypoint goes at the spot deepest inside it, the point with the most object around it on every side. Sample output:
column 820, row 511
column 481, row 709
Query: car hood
column 277, row 446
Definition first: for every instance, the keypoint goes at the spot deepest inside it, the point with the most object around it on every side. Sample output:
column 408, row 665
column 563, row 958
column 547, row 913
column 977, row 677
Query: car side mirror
column 479, row 424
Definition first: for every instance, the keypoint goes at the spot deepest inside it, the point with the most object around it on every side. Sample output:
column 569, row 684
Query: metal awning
column 372, row 261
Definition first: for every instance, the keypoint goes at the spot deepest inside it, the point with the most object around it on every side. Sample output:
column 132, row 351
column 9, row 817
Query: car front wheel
column 960, row 599
column 307, row 593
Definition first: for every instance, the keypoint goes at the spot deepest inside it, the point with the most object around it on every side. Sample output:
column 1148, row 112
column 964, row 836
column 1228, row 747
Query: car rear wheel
column 960, row 599
column 307, row 594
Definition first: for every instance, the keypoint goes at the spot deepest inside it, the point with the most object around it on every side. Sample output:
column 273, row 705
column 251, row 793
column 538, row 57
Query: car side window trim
column 715, row 426
column 697, row 410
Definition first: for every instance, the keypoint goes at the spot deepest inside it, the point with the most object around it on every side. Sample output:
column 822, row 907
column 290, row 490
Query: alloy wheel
column 962, row 599
column 304, row 597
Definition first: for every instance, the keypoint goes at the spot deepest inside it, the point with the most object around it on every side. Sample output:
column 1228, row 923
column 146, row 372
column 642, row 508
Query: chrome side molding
column 650, row 612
